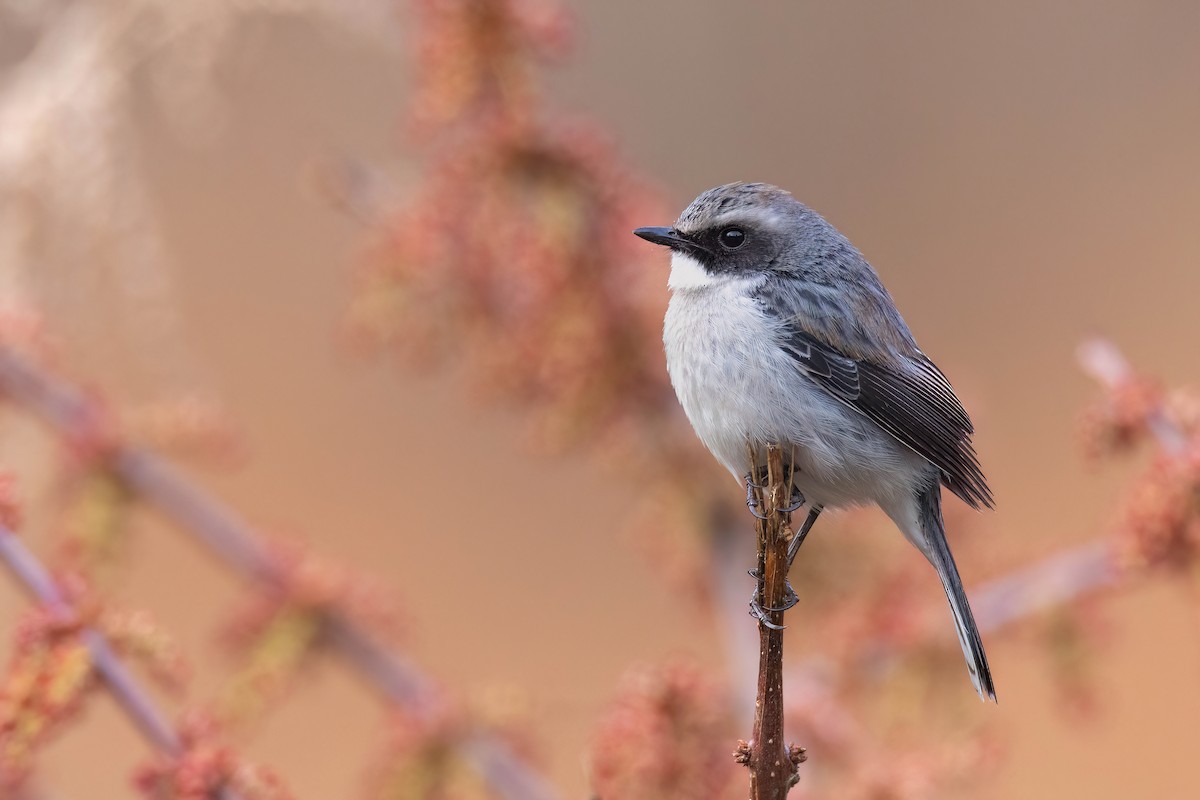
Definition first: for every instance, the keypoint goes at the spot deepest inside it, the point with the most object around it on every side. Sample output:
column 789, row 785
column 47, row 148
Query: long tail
column 937, row 550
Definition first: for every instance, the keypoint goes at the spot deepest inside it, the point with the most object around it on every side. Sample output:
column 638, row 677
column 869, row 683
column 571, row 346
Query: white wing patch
column 687, row 273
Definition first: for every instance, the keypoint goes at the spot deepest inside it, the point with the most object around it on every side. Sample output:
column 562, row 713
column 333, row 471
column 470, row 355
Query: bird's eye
column 732, row 238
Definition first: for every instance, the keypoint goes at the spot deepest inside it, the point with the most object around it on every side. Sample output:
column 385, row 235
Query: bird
column 778, row 331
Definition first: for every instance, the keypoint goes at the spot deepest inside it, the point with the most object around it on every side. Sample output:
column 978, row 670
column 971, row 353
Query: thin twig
column 234, row 541
column 130, row 695
column 773, row 765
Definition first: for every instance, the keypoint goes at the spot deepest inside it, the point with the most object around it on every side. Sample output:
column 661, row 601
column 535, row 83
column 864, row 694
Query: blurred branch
column 1051, row 582
column 76, row 419
column 122, row 685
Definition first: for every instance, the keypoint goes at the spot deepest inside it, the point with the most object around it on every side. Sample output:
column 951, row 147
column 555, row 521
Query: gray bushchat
column 779, row 331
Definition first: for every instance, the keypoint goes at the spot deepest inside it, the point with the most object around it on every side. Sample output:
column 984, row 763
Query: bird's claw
column 761, row 612
column 795, row 501
column 751, row 501
column 789, row 599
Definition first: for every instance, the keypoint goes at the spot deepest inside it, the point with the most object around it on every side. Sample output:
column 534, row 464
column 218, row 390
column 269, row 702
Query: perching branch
column 132, row 698
column 232, row 539
column 773, row 765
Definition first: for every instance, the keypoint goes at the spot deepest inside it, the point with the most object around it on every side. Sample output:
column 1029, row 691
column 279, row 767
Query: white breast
column 737, row 385
column 719, row 350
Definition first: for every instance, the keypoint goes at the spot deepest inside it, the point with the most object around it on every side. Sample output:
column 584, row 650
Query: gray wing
column 910, row 399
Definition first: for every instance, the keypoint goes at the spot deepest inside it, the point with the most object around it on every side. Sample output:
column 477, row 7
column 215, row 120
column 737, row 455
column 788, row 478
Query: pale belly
column 738, row 387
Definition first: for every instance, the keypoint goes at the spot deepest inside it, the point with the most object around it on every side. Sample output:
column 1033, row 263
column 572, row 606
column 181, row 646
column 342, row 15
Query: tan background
column 1022, row 174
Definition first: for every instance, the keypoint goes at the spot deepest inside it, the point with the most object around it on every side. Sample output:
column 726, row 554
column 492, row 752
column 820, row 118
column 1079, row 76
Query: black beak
column 667, row 237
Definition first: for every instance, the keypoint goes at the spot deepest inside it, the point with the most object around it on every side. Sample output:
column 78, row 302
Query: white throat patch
column 687, row 273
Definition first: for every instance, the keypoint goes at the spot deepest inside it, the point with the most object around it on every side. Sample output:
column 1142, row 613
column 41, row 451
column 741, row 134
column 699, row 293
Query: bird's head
column 739, row 229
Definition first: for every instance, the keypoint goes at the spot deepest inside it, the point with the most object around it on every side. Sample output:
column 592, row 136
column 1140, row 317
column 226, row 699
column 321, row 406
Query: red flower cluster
column 205, row 767
column 477, row 55
column 667, row 736
column 1133, row 407
column 51, row 670
column 1160, row 521
column 280, row 626
column 1119, row 421
column 1160, row 524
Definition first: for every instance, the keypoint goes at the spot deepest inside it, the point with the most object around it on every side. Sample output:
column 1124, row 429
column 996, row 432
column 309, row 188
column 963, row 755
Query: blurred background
column 189, row 198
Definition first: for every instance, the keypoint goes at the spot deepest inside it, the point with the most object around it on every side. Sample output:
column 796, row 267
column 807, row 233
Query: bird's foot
column 794, row 502
column 762, row 613
column 752, row 502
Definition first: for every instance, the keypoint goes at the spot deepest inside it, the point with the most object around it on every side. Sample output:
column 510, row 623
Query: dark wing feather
column 914, row 403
